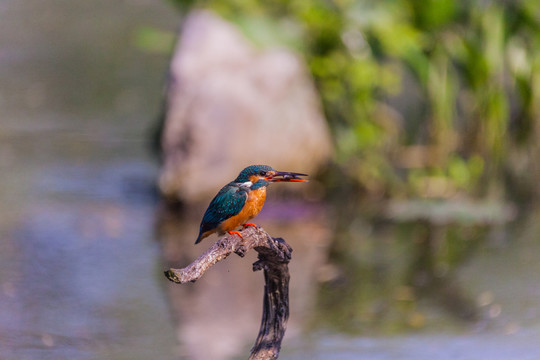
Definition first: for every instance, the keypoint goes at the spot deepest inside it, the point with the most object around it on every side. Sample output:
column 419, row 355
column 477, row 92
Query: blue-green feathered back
column 251, row 170
column 228, row 202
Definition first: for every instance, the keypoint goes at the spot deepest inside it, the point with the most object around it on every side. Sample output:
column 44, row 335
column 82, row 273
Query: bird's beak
column 283, row 176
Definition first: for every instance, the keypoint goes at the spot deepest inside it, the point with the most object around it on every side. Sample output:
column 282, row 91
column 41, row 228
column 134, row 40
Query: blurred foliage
column 424, row 98
column 152, row 40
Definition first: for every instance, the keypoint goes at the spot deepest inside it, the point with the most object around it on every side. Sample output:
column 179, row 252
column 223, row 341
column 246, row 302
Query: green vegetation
column 424, row 98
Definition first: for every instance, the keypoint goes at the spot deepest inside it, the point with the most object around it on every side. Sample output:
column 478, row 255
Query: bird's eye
column 263, row 173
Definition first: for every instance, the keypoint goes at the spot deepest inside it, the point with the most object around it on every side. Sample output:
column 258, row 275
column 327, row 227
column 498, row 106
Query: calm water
column 83, row 242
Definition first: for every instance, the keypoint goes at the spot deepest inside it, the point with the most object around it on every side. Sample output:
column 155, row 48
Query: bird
column 241, row 200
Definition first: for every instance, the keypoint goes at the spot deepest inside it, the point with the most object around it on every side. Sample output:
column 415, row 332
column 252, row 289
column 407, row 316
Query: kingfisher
column 241, row 200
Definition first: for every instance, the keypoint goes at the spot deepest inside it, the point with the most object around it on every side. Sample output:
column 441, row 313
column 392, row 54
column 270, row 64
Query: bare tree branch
column 274, row 257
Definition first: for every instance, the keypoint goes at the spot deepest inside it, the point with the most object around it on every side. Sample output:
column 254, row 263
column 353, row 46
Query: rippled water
column 83, row 243
column 420, row 347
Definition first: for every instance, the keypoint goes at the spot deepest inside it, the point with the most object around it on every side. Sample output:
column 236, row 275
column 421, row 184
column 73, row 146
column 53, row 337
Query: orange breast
column 253, row 206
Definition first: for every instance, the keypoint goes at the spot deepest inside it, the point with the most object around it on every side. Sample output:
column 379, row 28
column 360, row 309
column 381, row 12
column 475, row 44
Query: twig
column 274, row 256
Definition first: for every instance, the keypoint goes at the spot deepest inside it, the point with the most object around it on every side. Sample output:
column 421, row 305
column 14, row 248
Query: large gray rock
column 231, row 105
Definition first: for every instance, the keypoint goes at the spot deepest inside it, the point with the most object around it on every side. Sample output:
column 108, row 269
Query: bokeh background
column 417, row 237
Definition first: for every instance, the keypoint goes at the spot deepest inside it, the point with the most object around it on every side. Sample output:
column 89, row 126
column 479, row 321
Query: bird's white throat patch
column 246, row 184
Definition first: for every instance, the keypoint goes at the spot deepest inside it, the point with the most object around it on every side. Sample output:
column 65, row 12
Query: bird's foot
column 249, row 224
column 237, row 233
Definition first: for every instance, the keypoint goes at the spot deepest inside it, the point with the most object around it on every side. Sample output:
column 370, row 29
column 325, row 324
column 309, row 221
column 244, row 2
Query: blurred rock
column 231, row 105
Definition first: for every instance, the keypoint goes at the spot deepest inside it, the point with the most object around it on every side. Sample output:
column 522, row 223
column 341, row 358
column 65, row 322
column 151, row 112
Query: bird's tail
column 202, row 235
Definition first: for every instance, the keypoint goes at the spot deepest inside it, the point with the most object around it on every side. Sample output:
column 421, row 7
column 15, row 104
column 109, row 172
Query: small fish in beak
column 284, row 176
